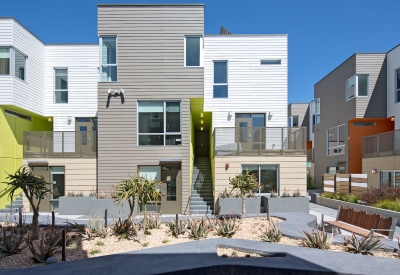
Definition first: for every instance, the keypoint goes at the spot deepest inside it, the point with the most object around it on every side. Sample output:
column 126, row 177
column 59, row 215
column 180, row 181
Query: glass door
column 44, row 172
column 85, row 141
column 171, row 189
column 58, row 186
column 243, row 130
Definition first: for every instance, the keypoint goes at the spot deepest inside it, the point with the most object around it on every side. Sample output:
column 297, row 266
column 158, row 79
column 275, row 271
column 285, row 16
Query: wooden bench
column 362, row 223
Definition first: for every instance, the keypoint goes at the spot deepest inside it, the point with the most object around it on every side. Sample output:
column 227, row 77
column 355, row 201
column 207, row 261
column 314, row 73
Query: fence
column 345, row 183
column 384, row 144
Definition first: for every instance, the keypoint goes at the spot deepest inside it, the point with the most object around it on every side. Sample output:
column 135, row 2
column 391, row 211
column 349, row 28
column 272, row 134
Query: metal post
column 322, row 219
column 283, row 146
column 105, row 218
column 63, row 239
column 176, row 225
column 377, row 145
column 53, row 220
column 267, row 208
column 62, row 143
column 20, row 215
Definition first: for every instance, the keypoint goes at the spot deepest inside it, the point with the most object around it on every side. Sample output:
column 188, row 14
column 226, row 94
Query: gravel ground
column 250, row 229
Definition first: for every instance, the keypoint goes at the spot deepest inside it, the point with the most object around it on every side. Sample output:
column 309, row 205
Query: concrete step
column 201, row 212
column 200, row 203
column 200, row 208
column 207, row 200
column 15, row 205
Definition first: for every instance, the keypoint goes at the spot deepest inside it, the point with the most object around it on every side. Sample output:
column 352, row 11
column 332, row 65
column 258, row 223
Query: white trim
column 329, row 182
column 342, row 179
column 356, row 87
column 227, row 78
column 60, row 90
column 361, row 176
column 337, row 147
column 101, row 57
column 396, row 89
column 359, row 184
column 201, row 61
column 329, row 189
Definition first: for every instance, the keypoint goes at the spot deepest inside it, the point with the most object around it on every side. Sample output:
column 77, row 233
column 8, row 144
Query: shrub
column 317, row 239
column 182, row 225
column 366, row 246
column 165, row 241
column 145, row 244
column 94, row 251
column 121, row 226
column 296, row 193
column 389, row 205
column 376, row 194
column 285, row 193
column 272, row 233
column 199, row 229
column 79, row 194
column 47, row 245
column 99, row 243
column 71, row 194
column 153, row 221
column 227, row 227
column 351, row 198
column 11, row 240
column 224, row 194
column 274, row 194
column 310, row 184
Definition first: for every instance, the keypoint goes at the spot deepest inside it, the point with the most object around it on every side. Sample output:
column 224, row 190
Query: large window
column 397, row 84
column 267, row 176
column 61, row 86
column 391, row 178
column 108, row 59
column 193, row 51
column 335, row 140
column 159, row 123
column 20, row 65
column 220, row 79
column 358, row 85
column 293, row 121
column 5, row 61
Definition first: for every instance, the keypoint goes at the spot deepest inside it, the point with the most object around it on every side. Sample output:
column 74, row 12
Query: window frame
column 26, row 65
column 337, row 147
column 165, row 133
column 291, row 119
column 268, row 62
column 101, row 57
column 227, row 78
column 10, row 60
column 392, row 184
column 396, row 89
column 278, row 171
column 356, row 87
column 59, row 90
column 201, row 61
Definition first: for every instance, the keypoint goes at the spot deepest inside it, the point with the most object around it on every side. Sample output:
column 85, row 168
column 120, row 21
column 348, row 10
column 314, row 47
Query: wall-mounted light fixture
column 392, row 118
column 373, row 171
column 271, row 113
column 69, row 119
column 201, row 128
column 201, row 115
column 49, row 119
column 201, row 122
column 116, row 92
column 230, row 113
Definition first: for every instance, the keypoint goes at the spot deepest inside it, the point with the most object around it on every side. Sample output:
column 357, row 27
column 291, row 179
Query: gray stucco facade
column 336, row 110
column 150, row 60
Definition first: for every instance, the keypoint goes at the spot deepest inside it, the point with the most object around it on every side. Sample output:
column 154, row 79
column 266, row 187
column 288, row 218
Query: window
column 159, row 123
column 20, row 65
column 369, row 123
column 391, row 178
column 270, row 61
column 193, row 51
column 358, row 85
column 315, row 113
column 397, row 84
column 108, row 59
column 19, row 115
column 61, row 86
column 335, row 140
column 267, row 176
column 293, row 121
column 220, row 79
column 5, row 61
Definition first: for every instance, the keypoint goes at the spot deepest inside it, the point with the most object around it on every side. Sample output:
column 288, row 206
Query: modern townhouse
column 352, row 104
column 48, row 100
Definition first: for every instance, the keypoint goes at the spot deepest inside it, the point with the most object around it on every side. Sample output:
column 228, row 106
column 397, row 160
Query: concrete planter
column 369, row 209
column 231, row 206
column 289, row 204
column 74, row 205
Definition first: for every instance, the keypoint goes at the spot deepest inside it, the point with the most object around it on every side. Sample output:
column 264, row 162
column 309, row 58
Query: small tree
column 33, row 187
column 245, row 182
column 139, row 187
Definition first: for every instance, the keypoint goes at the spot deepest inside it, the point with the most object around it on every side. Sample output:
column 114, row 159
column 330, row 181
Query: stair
column 17, row 203
column 202, row 199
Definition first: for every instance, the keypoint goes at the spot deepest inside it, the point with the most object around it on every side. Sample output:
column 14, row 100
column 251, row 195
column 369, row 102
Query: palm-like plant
column 245, row 182
column 33, row 186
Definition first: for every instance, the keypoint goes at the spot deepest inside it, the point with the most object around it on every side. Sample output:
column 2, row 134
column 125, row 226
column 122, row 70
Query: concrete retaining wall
column 231, row 206
column 290, row 204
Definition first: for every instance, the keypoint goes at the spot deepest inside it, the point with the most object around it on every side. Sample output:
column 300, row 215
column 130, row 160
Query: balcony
column 51, row 144
column 310, row 155
column 380, row 145
column 251, row 141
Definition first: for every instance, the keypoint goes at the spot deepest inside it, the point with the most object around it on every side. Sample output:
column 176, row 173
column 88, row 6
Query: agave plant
column 224, row 194
column 182, row 225
column 199, row 229
column 153, row 221
column 95, row 227
column 227, row 227
column 367, row 245
column 11, row 240
column 317, row 239
column 272, row 234
column 121, row 226
column 47, row 245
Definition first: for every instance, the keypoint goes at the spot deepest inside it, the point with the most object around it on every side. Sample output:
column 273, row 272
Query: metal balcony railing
column 49, row 144
column 259, row 141
column 384, row 144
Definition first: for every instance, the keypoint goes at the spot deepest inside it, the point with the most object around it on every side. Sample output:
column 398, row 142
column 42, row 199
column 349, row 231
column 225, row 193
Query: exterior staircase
column 17, row 203
column 202, row 199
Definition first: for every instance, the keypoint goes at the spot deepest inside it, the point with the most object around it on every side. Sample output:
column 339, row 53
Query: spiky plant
column 95, row 227
column 121, row 226
column 367, row 245
column 199, row 229
column 317, row 239
column 11, row 240
column 224, row 194
column 296, row 193
column 47, row 245
column 227, row 227
column 285, row 193
column 182, row 226
column 272, row 234
column 153, row 221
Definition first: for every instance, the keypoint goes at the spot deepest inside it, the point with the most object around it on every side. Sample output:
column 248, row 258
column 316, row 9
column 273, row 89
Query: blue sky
column 322, row 34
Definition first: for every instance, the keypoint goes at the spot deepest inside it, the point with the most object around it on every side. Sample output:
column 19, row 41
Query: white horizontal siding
column 6, row 90
column 393, row 62
column 29, row 94
column 6, row 32
column 82, row 62
column 252, row 88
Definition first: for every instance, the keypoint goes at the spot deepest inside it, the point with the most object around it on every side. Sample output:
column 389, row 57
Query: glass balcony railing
column 51, row 144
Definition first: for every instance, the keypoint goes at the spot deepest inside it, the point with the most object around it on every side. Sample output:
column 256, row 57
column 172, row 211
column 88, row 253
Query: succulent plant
column 317, row 239
column 224, row 194
column 367, row 245
column 285, row 193
column 95, row 227
column 121, row 226
column 274, row 194
column 182, row 225
column 47, row 245
column 199, row 229
column 227, row 227
column 153, row 221
column 11, row 240
column 272, row 234
column 296, row 193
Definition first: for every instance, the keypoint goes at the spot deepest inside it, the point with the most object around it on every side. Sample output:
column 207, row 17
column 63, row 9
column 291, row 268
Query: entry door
column 171, row 192
column 43, row 171
column 83, row 139
column 243, row 131
column 202, row 143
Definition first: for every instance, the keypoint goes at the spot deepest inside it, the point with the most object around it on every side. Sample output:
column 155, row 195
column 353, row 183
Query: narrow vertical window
column 61, row 86
column 397, row 85
column 108, row 59
column 4, row 61
column 220, row 79
column 351, row 87
column 192, row 47
column 20, row 65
